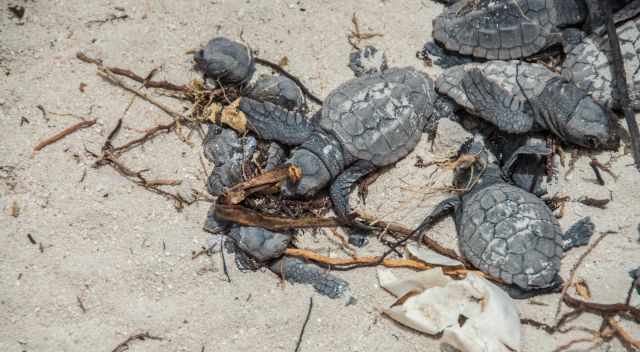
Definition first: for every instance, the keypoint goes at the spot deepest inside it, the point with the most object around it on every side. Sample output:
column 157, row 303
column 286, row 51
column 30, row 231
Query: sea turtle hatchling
column 519, row 97
column 503, row 230
column 255, row 247
column 587, row 65
column 365, row 123
column 226, row 61
column 505, row 29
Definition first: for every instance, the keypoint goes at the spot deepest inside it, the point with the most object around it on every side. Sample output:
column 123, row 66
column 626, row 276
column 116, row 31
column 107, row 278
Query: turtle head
column 320, row 159
column 225, row 60
column 592, row 126
column 314, row 174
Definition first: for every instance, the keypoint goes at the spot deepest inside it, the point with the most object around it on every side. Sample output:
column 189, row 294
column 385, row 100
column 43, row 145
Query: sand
column 125, row 253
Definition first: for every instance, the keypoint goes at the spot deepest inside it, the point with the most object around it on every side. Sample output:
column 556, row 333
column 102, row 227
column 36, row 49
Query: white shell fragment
column 430, row 302
column 429, row 256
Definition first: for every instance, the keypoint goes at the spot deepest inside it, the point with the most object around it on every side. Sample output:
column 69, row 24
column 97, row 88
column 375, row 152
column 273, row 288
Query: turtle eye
column 592, row 142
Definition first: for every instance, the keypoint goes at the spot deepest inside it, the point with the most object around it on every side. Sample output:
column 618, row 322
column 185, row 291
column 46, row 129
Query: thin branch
column 335, row 263
column 304, row 325
column 621, row 85
column 67, row 131
column 572, row 274
column 624, row 335
column 147, row 83
column 123, row 346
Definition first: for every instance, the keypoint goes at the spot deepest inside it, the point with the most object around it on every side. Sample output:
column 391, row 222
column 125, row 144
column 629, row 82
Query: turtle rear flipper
column 578, row 234
column 516, row 292
column 271, row 122
column 484, row 95
column 441, row 210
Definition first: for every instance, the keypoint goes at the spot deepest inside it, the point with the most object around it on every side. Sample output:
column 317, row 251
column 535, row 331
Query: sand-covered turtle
column 365, row 123
column 226, row 61
column 587, row 65
column 255, row 247
column 503, row 230
column 519, row 97
column 505, row 29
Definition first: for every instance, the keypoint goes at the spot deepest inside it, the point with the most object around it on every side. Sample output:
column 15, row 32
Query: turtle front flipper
column 441, row 210
column 271, row 122
column 484, row 95
column 578, row 234
column 341, row 187
column 444, row 58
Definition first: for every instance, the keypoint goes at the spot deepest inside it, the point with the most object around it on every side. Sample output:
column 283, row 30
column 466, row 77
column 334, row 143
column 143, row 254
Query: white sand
column 103, row 237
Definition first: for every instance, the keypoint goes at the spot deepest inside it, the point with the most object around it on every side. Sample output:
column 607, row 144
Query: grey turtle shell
column 587, row 65
column 504, row 29
column 511, row 234
column 379, row 117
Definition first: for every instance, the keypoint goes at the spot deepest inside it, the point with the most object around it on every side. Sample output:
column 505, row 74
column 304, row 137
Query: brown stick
column 397, row 229
column 248, row 217
column 602, row 309
column 123, row 346
column 623, row 334
column 67, row 131
column 621, row 85
column 161, row 182
column 166, row 128
column 241, row 191
column 131, row 75
column 109, row 76
column 390, row 263
column 574, row 270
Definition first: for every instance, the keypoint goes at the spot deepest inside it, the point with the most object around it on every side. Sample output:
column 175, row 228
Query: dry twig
column 58, row 136
column 304, row 325
column 574, row 270
column 355, row 37
column 147, row 83
column 123, row 346
column 373, row 260
column 621, row 85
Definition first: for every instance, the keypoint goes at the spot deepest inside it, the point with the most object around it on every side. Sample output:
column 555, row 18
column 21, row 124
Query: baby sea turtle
column 365, row 123
column 226, row 61
column 519, row 97
column 230, row 152
column 503, row 230
column 587, row 65
column 505, row 29
column 255, row 247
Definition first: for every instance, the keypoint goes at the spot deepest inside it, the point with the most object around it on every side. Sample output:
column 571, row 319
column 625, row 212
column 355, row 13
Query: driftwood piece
column 621, row 85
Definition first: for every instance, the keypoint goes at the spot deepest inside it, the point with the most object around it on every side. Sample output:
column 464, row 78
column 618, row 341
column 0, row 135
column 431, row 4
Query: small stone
column 449, row 137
